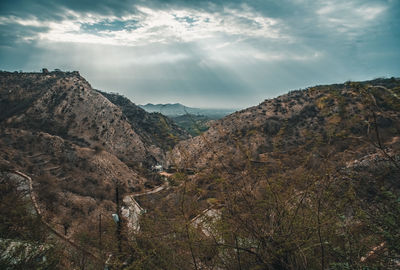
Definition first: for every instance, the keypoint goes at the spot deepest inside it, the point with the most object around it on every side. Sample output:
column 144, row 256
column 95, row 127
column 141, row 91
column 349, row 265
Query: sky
column 215, row 54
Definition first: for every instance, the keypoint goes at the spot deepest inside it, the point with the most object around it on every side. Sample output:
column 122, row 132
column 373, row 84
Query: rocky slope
column 153, row 128
column 340, row 115
column 65, row 105
column 76, row 144
column 305, row 179
column 296, row 177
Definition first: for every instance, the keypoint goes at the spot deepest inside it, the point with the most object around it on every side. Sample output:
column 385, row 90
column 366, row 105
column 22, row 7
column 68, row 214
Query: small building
column 157, row 168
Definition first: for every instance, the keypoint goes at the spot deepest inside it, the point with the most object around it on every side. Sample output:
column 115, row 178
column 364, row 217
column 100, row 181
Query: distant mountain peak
column 177, row 109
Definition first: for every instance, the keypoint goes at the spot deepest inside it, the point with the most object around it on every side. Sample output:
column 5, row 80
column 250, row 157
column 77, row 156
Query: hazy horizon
column 204, row 54
column 179, row 103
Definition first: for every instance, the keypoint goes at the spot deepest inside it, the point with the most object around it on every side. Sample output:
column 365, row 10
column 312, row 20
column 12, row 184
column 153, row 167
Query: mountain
column 299, row 121
column 154, row 128
column 78, row 144
column 306, row 180
column 65, row 105
column 178, row 109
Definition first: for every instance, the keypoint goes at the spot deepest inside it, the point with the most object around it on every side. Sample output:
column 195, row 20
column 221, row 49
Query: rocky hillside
column 76, row 144
column 72, row 182
column 342, row 116
column 65, row 105
column 307, row 180
column 153, row 128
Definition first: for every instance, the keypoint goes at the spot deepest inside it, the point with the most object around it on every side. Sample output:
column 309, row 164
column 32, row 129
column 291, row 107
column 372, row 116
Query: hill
column 154, row 127
column 194, row 120
column 78, row 144
column 193, row 124
column 337, row 115
column 307, row 180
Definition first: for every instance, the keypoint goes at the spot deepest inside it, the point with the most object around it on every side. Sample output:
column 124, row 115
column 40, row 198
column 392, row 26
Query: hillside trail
column 130, row 199
column 132, row 209
column 49, row 227
column 151, row 191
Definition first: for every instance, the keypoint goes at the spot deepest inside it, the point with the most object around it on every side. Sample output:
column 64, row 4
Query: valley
column 305, row 179
column 194, row 120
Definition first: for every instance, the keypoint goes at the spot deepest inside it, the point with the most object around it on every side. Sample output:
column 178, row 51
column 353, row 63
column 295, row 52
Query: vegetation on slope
column 76, row 146
column 308, row 180
column 154, row 128
column 305, row 181
column 194, row 124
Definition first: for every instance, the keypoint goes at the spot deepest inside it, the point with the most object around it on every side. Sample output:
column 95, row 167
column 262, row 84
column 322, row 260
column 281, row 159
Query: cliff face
column 341, row 117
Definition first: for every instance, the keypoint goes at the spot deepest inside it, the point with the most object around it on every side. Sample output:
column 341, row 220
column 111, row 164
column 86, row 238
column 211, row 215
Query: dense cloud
column 227, row 53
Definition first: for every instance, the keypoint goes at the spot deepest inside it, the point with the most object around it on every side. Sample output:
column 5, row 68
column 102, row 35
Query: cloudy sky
column 230, row 54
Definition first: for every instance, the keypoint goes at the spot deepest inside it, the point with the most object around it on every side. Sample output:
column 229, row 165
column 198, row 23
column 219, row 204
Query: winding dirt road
column 50, row 228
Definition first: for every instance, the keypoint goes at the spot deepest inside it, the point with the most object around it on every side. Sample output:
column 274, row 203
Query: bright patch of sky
column 204, row 53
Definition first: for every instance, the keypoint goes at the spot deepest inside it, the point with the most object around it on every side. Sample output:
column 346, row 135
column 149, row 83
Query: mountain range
column 178, row 109
column 306, row 180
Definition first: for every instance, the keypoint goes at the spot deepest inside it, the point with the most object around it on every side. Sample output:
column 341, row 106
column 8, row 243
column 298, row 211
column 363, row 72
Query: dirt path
column 152, row 191
column 54, row 231
column 133, row 210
